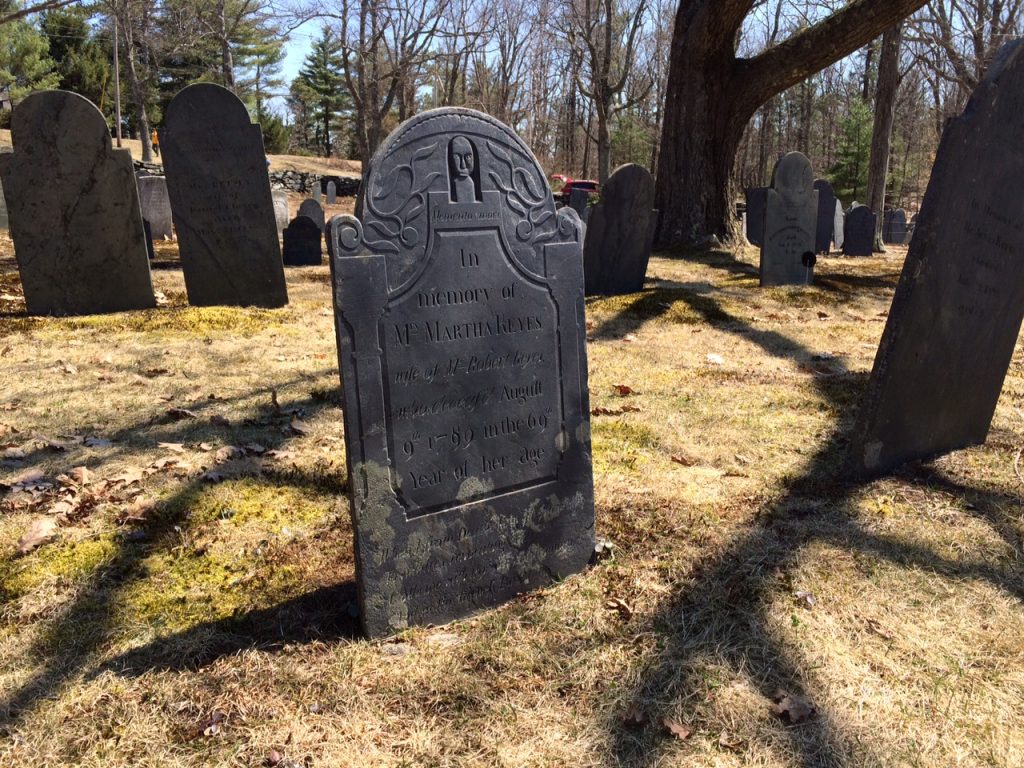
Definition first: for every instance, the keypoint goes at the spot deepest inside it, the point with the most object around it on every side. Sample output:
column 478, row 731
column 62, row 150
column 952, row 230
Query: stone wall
column 300, row 182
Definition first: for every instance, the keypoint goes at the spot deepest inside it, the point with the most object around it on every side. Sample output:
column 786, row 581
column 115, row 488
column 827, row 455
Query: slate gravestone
column 620, row 233
column 579, row 201
column 839, row 226
column 894, row 227
column 859, row 237
column 757, row 200
column 74, row 210
column 826, row 216
column 317, row 192
column 156, row 206
column 311, row 209
column 220, row 196
column 302, row 243
column 462, row 348
column 958, row 307
column 280, row 210
column 790, row 224
column 332, row 193
column 4, row 221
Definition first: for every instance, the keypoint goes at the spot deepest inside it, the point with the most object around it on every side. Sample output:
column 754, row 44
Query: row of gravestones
column 76, row 208
column 460, row 321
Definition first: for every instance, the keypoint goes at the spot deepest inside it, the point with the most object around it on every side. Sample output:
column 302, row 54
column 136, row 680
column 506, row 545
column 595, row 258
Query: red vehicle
column 591, row 186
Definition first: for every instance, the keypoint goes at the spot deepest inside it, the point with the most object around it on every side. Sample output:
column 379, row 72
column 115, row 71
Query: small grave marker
column 791, row 224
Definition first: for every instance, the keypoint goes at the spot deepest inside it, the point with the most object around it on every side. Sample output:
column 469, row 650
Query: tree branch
column 51, row 5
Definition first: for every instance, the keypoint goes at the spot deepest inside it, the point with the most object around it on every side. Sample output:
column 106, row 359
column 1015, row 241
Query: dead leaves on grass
column 791, row 708
column 601, row 411
column 41, row 531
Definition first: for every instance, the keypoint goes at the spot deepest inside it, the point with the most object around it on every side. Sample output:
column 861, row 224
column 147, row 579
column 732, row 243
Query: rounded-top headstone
column 312, row 209
column 74, row 210
column 619, row 233
column 791, row 224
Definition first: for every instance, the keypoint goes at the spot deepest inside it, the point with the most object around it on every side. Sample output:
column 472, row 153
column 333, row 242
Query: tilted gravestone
column 74, row 210
column 757, row 200
column 957, row 311
column 859, row 237
column 332, row 193
column 462, row 348
column 894, row 227
column 311, row 209
column 826, row 217
column 220, row 196
column 790, row 224
column 280, row 210
column 839, row 226
column 303, row 243
column 156, row 206
column 620, row 233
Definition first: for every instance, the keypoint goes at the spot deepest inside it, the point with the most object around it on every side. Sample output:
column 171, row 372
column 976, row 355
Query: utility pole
column 117, row 86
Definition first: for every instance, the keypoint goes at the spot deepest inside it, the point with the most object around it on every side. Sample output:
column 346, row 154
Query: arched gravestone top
column 221, row 200
column 825, row 232
column 956, row 315
column 312, row 209
column 74, row 210
column 462, row 347
column 280, row 210
column 859, row 233
column 156, row 206
column 791, row 224
column 620, row 232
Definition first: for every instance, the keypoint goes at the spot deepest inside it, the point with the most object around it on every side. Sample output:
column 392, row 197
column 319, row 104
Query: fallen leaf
column 875, row 626
column 300, row 427
column 206, row 446
column 215, row 477
column 96, row 442
column 228, row 453
column 686, row 461
column 678, row 730
column 175, row 447
column 219, row 420
column 630, row 338
column 254, row 449
column 41, row 531
column 601, row 411
column 67, row 367
column 11, row 406
column 822, row 315
column 179, row 414
column 730, row 741
column 130, row 476
column 282, row 455
column 633, row 717
column 806, row 598
column 791, row 708
column 623, row 390
column 615, row 604
column 152, row 373
column 272, row 759
column 212, row 725
column 137, row 511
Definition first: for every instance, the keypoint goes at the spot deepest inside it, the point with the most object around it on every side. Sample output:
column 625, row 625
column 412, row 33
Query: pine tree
column 83, row 60
column 25, row 63
column 849, row 175
column 321, row 74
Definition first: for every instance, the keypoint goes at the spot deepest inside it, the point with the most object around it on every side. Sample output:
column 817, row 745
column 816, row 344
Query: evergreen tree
column 849, row 175
column 300, row 102
column 25, row 63
column 321, row 75
column 83, row 60
column 276, row 134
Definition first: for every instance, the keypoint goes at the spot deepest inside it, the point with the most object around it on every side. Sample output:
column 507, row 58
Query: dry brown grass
column 123, row 641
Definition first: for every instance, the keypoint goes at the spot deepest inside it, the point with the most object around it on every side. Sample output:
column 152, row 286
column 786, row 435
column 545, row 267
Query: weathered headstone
column 791, row 224
column 894, row 227
column 957, row 311
column 826, row 216
column 839, row 226
column 579, row 201
column 620, row 233
column 156, row 206
column 332, row 193
column 280, row 210
column 311, row 209
column 317, row 191
column 74, row 210
column 302, row 243
column 859, row 237
column 220, row 196
column 757, row 201
column 462, row 348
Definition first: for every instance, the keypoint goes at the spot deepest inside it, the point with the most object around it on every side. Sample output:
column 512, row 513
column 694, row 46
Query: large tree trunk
column 712, row 95
column 881, row 137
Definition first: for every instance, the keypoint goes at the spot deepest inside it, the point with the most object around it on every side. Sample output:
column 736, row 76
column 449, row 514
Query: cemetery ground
column 176, row 479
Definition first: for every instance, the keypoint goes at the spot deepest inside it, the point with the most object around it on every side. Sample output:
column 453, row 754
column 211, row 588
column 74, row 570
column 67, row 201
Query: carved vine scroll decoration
column 396, row 223
column 523, row 198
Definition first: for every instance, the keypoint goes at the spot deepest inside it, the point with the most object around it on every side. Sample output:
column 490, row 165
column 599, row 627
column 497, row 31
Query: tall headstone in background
column 894, row 227
column 220, row 196
column 579, row 201
column 620, row 233
column 859, row 238
column 311, row 209
column 826, row 217
column 757, row 200
column 462, row 348
column 957, row 311
column 303, row 241
column 332, row 193
column 156, row 206
column 317, row 191
column 790, row 224
column 74, row 210
column 839, row 226
column 280, row 210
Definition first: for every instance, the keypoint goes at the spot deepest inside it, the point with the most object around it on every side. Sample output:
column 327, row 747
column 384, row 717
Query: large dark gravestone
column 790, row 224
column 462, row 347
column 74, row 210
column 894, row 227
column 220, row 196
column 302, row 243
column 859, row 237
column 156, row 206
column 826, row 216
column 311, row 209
column 958, row 307
column 620, row 233
column 757, row 201
column 839, row 226
column 579, row 201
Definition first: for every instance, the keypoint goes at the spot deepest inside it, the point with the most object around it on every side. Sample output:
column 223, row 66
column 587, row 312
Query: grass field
column 195, row 604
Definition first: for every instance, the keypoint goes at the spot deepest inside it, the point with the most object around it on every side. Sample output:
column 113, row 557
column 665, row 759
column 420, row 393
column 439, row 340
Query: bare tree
column 881, row 136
